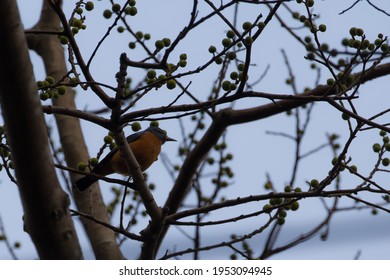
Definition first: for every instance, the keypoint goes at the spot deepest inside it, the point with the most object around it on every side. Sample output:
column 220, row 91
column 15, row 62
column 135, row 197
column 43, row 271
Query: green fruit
column 93, row 162
column 226, row 85
column 230, row 34
column 167, row 42
column 246, row 25
column 314, row 183
column 75, row 30
column 226, row 42
column 385, row 47
column 365, row 44
column 44, row 96
column 330, row 82
column 64, row 40
column 135, row 126
column 231, row 55
column 344, row 116
column 356, row 44
column 171, row 84
column 107, row 139
column 133, row 11
column 353, row 31
column 322, row 27
column 147, row 36
column 376, row 147
column 151, row 74
column 234, row 75
column 232, row 86
column 159, row 44
column 268, row 185
column 81, row 166
column 218, row 60
column 161, row 77
column 261, row 24
column 295, row 206
column 183, row 56
column 377, row 42
column 154, row 123
column 61, row 90
column 248, row 40
column 89, row 6
column 281, row 221
column 241, row 67
column 50, row 80
column 107, row 14
column 359, row 32
column 353, row 168
column 116, row 8
column 386, row 161
column 77, row 23
column 266, row 208
column 182, row 63
column 310, row 56
column 212, row 49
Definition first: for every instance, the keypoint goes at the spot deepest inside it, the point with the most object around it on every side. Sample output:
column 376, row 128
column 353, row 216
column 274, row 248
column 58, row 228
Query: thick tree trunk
column 47, row 217
column 102, row 239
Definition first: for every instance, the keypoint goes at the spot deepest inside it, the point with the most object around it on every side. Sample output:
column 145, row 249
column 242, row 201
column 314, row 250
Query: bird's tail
column 83, row 183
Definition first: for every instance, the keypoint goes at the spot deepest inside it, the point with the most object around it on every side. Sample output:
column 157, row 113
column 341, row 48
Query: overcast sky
column 351, row 234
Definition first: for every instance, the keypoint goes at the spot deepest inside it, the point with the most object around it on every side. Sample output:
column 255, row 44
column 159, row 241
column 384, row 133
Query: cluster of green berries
column 228, row 41
column 224, row 169
column 127, row 91
column 382, row 148
column 88, row 6
column 130, row 10
column 236, row 77
column 158, row 81
column 163, row 43
column 92, row 162
column 277, row 202
column 136, row 126
column 48, row 89
column 309, row 3
column 310, row 47
column 364, row 44
column 140, row 36
column 77, row 24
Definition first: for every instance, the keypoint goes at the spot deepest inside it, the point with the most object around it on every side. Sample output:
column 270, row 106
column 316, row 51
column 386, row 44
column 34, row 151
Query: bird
column 145, row 145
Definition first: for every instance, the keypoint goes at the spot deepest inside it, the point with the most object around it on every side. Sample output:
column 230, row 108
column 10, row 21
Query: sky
column 351, row 234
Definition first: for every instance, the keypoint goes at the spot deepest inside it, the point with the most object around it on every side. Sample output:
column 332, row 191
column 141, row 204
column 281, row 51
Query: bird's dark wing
column 107, row 158
column 134, row 136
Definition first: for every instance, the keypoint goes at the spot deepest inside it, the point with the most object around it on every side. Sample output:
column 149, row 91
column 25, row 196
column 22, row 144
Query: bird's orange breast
column 145, row 149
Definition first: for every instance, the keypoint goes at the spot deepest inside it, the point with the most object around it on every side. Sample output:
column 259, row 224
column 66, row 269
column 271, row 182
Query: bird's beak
column 170, row 139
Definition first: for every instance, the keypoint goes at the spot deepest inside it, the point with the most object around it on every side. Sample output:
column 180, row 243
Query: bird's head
column 160, row 134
